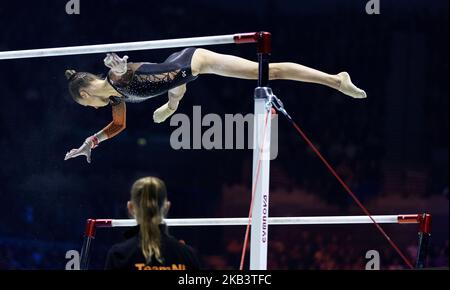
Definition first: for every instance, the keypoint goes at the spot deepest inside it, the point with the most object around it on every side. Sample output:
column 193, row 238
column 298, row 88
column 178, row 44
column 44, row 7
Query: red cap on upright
column 263, row 40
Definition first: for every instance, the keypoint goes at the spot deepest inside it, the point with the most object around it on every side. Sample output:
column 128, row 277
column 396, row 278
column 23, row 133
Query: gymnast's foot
column 348, row 88
column 162, row 113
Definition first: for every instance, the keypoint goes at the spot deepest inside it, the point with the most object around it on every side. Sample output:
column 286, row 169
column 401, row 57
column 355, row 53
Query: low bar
column 424, row 220
column 314, row 220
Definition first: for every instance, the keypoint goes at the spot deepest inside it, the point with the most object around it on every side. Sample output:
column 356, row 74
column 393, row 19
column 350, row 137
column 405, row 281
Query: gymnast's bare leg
column 208, row 62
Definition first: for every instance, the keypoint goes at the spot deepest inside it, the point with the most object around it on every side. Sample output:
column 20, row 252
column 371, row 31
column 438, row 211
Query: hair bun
column 69, row 73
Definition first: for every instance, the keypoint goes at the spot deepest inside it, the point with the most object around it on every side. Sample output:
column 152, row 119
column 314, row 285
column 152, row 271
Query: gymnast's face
column 93, row 96
column 92, row 99
column 88, row 89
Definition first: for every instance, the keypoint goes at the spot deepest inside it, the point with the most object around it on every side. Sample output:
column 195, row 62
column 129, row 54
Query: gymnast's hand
column 85, row 149
column 117, row 65
column 162, row 113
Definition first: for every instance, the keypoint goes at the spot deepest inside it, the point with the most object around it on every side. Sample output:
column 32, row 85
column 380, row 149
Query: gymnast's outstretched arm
column 117, row 125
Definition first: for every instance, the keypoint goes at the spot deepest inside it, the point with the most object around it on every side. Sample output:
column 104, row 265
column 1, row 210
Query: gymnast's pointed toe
column 348, row 88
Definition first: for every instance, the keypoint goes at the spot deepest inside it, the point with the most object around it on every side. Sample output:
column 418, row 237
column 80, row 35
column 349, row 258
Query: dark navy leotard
column 149, row 80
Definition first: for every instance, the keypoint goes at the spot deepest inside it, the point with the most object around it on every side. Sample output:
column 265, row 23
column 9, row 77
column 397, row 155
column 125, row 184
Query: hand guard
column 117, row 65
column 85, row 149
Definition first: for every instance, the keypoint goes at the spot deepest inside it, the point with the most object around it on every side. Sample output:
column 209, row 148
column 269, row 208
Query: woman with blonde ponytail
column 148, row 245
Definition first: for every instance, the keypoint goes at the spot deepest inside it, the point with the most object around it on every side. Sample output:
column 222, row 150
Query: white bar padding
column 259, row 234
column 313, row 220
column 127, row 46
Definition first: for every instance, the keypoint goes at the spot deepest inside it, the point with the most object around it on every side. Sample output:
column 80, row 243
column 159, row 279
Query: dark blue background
column 399, row 57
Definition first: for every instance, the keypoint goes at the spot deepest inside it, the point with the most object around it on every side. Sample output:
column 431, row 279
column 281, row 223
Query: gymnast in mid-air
column 137, row 82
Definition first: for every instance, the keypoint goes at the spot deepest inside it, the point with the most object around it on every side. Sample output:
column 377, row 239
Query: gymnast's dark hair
column 78, row 81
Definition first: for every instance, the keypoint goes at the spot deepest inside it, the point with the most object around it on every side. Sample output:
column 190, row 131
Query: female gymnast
column 136, row 82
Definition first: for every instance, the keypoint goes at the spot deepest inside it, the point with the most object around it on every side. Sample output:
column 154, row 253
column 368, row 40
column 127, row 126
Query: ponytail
column 148, row 196
column 149, row 220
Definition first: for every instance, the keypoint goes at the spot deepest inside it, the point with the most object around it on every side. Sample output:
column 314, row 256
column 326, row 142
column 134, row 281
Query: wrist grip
column 95, row 141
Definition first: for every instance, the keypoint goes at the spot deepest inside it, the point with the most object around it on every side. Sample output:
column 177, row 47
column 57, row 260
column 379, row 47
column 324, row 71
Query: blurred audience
column 312, row 251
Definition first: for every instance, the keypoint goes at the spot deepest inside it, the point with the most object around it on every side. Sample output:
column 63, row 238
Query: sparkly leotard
column 148, row 80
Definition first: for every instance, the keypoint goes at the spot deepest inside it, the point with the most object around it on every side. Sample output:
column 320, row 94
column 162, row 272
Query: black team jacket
column 128, row 254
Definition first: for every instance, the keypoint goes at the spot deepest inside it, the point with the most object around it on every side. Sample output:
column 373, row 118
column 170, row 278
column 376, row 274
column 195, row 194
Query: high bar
column 251, row 37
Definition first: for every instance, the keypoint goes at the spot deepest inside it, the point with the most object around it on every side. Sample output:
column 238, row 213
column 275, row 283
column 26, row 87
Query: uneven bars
column 423, row 219
column 251, row 37
column 317, row 220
